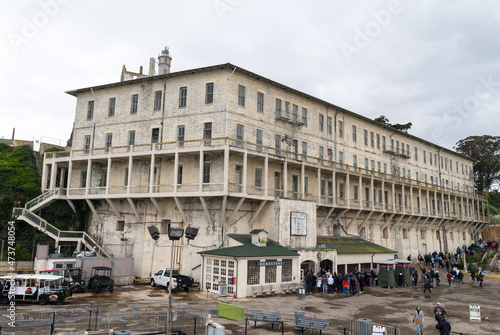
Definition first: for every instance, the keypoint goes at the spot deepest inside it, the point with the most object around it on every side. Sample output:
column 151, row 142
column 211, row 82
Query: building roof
column 231, row 67
column 352, row 245
column 248, row 249
column 256, row 231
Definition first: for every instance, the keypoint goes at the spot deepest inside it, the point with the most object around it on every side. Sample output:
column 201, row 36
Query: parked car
column 162, row 278
column 42, row 289
column 100, row 279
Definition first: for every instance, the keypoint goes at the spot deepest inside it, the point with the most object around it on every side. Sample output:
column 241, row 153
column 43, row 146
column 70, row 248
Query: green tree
column 485, row 150
column 401, row 127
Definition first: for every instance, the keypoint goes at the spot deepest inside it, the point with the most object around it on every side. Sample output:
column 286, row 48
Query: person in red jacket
column 449, row 276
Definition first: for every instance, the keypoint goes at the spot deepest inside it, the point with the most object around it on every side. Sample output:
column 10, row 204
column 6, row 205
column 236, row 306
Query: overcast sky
column 433, row 63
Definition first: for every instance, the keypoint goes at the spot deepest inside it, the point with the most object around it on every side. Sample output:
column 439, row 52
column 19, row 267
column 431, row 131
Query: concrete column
column 245, row 172
column 361, row 192
column 266, row 177
column 303, row 181
column 108, row 175
column 61, row 178
column 319, row 185
column 420, row 200
column 285, row 179
column 372, row 194
column 152, row 172
column 347, row 190
column 383, row 195
column 89, row 176
column 393, row 196
column 70, row 175
column 53, row 175
column 129, row 177
column 45, row 173
column 200, row 172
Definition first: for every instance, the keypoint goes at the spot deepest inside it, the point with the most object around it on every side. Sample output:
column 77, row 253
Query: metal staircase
column 80, row 237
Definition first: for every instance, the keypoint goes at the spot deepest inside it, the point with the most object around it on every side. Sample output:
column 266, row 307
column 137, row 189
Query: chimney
column 164, row 61
column 151, row 66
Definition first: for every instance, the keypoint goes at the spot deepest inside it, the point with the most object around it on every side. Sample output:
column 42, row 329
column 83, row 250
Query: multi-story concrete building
column 228, row 151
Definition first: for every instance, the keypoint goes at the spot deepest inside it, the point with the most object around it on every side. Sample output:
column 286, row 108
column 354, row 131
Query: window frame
column 241, row 95
column 134, row 103
column 209, row 93
column 111, row 107
column 183, row 96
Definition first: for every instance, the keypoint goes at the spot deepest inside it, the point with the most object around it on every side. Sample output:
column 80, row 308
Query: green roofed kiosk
column 386, row 277
column 403, row 266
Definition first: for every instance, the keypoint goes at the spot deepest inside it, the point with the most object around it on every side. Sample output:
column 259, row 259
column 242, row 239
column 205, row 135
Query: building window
column 278, row 108
column 259, row 134
column 385, row 233
column 239, row 134
column 155, row 135
column 383, row 142
column 304, row 116
column 354, row 160
column 341, row 157
column 260, row 102
column 109, row 140
column 392, row 144
column 322, row 187
column 306, row 182
column 206, row 173
column 258, row 177
column 158, row 95
column 354, row 133
column 304, row 149
column 270, row 273
column 125, row 179
column 277, row 144
column 321, row 121
column 131, row 137
column 341, row 190
column 287, row 109
column 408, row 149
column 295, row 113
column 83, row 178
column 179, row 174
column 111, row 109
column 133, row 105
column 286, row 271
column 253, row 273
column 372, row 139
column 366, row 163
column 424, row 155
column 86, row 142
column 295, row 186
column 209, row 93
column 183, row 91
column 90, row 110
column 405, row 233
column 416, row 154
column 422, row 233
column 378, row 141
column 321, row 152
column 341, row 129
column 365, row 137
column 181, row 132
column 207, row 130
column 241, row 95
column 277, row 184
column 120, row 225
column 329, row 125
column 355, row 192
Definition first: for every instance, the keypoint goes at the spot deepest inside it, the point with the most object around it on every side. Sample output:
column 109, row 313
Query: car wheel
column 42, row 301
column 111, row 288
column 4, row 300
column 83, row 289
column 97, row 288
column 186, row 289
column 153, row 284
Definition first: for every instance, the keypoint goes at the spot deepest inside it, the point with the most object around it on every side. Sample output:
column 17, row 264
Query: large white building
column 228, row 151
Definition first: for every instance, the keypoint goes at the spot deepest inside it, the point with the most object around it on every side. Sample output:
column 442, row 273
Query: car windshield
column 174, row 272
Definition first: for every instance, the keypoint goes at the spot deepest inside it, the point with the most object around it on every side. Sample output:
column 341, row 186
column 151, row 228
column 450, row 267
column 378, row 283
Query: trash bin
column 298, row 315
column 123, row 332
column 214, row 329
column 365, row 326
column 223, row 290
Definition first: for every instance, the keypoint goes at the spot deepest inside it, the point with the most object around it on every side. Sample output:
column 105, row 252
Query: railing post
column 52, row 326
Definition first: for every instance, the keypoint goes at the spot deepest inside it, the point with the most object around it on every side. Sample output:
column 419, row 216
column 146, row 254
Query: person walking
column 444, row 327
column 480, row 277
column 439, row 312
column 427, row 284
column 324, row 283
column 449, row 276
column 345, row 286
column 415, row 278
column 418, row 320
column 330, row 283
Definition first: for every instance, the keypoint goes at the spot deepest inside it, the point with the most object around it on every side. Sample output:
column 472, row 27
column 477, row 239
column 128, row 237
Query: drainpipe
column 227, row 101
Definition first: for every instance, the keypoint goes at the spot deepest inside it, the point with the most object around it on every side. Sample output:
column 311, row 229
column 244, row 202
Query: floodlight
column 154, row 232
column 175, row 233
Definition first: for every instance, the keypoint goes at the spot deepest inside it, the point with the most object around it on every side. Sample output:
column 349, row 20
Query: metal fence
column 152, row 317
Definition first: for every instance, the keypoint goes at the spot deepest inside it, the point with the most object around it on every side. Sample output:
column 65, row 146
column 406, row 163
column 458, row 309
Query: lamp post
column 174, row 234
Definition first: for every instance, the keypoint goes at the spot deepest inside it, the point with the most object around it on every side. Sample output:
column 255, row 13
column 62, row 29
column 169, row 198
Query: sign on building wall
column 271, row 263
column 298, row 223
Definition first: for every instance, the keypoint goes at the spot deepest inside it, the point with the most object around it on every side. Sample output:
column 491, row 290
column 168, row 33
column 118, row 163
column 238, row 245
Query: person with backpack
column 418, row 320
column 443, row 326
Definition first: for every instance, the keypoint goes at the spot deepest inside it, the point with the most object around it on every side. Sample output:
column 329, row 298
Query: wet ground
column 392, row 307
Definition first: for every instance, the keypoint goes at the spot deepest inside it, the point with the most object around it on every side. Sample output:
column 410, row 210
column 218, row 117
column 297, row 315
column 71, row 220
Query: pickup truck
column 162, row 278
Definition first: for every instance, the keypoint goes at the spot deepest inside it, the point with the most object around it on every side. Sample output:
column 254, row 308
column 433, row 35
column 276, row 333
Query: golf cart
column 73, row 278
column 100, row 279
column 33, row 288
